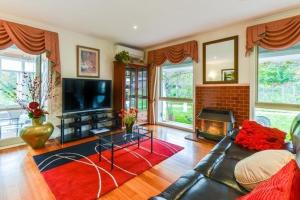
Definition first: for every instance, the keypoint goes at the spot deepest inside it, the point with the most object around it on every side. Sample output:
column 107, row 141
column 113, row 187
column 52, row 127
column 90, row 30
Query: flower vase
column 37, row 134
column 129, row 127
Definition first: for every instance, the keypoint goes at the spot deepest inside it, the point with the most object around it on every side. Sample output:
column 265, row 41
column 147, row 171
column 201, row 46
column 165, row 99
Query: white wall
column 246, row 63
column 67, row 43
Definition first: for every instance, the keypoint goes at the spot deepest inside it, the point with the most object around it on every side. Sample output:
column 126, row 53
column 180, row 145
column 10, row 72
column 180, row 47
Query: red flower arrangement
column 257, row 137
column 34, row 110
column 129, row 116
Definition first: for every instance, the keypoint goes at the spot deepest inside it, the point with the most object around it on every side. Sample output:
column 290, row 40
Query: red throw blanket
column 257, row 137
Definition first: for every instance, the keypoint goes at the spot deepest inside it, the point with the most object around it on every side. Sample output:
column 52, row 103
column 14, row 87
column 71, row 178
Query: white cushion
column 260, row 166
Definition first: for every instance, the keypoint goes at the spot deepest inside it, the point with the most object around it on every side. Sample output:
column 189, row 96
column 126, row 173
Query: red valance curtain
column 175, row 54
column 31, row 40
column 276, row 35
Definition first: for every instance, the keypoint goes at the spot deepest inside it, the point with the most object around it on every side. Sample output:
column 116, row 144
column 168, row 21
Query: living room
column 150, row 100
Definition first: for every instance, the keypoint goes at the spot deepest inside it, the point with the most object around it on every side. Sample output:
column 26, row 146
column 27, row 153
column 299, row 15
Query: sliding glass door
column 175, row 106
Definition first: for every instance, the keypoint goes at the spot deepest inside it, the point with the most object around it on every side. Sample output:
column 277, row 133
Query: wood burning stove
column 215, row 124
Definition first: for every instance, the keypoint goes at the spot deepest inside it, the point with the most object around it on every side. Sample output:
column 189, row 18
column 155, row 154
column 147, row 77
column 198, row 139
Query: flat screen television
column 85, row 94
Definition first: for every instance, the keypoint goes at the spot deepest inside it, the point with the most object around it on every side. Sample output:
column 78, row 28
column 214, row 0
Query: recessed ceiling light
column 135, row 27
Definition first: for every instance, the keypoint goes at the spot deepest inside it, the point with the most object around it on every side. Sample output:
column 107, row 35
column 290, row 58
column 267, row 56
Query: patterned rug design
column 76, row 173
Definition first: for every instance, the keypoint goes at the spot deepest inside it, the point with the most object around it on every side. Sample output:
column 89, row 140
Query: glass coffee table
column 122, row 140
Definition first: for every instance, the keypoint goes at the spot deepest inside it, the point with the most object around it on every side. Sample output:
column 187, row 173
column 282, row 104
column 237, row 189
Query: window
column 13, row 63
column 278, row 87
column 175, row 106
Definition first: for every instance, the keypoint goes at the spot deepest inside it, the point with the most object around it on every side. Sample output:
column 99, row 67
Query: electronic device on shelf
column 78, row 125
column 85, row 94
column 99, row 130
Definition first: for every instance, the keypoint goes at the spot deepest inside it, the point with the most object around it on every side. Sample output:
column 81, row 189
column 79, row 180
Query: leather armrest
column 180, row 186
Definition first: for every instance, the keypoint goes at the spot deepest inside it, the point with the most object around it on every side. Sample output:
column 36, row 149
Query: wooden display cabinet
column 130, row 89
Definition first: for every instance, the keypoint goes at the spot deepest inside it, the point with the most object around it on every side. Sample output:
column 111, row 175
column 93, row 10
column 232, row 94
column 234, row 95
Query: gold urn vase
column 37, row 134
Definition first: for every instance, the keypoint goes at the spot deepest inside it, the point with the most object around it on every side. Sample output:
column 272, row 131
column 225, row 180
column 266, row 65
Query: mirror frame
column 235, row 67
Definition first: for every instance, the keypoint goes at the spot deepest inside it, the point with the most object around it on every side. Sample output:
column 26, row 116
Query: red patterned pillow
column 295, row 194
column 257, row 137
column 281, row 186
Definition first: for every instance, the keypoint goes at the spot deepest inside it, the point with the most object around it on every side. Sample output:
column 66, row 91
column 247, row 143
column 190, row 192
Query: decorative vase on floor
column 37, row 134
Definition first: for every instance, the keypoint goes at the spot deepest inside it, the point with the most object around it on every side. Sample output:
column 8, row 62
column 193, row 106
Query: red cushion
column 257, row 137
column 295, row 194
column 281, row 186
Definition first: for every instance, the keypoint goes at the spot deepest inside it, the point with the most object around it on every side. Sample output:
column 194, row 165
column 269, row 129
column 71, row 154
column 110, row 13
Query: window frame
column 160, row 98
column 268, row 105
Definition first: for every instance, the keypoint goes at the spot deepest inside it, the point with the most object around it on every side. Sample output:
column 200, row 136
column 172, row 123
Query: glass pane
column 132, row 103
column 29, row 67
column 11, row 122
column 11, row 64
column 140, row 83
column 176, row 113
column 279, row 76
column 142, row 110
column 177, row 80
column 45, row 83
column 281, row 119
column 130, row 88
column 7, row 86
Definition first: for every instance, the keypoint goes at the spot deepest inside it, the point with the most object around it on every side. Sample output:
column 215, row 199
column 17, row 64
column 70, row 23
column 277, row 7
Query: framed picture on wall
column 227, row 74
column 88, row 62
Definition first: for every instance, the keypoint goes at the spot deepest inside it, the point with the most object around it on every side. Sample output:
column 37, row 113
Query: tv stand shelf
column 75, row 126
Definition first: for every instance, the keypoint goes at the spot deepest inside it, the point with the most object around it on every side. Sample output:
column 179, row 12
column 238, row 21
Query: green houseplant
column 123, row 57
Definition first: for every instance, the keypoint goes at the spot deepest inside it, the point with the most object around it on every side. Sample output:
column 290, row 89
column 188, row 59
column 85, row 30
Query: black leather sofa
column 213, row 177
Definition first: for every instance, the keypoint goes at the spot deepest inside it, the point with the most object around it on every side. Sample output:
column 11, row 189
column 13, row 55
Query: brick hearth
column 234, row 98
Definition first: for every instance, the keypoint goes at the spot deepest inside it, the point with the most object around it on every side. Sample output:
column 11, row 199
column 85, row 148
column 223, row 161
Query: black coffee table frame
column 123, row 140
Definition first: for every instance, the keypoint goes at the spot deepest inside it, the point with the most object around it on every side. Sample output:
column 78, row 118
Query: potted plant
column 32, row 99
column 129, row 117
column 123, row 57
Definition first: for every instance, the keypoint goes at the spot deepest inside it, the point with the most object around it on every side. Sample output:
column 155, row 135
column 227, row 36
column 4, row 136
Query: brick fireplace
column 214, row 123
column 227, row 97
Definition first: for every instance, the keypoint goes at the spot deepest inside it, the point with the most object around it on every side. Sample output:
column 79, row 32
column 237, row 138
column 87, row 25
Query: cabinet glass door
column 130, row 88
column 136, row 91
column 142, row 95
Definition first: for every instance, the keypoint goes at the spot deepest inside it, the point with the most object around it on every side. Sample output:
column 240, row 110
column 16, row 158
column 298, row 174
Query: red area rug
column 87, row 178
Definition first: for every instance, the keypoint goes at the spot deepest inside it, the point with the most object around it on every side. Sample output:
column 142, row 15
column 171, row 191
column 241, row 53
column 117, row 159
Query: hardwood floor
column 21, row 179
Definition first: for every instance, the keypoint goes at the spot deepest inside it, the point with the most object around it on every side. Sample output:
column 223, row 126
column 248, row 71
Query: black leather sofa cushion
column 206, row 189
column 213, row 177
column 219, row 164
column 181, row 185
column 201, row 188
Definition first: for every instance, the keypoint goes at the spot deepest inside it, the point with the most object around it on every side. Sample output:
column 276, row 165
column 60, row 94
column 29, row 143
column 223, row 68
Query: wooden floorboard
column 20, row 178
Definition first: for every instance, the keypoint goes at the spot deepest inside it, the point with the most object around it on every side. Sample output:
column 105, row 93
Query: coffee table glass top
column 117, row 141
column 122, row 138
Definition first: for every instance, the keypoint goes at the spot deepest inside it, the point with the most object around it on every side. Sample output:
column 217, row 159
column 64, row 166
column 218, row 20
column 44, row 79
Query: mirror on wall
column 220, row 61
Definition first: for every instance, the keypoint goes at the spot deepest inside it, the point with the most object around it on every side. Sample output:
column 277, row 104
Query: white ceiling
column 157, row 20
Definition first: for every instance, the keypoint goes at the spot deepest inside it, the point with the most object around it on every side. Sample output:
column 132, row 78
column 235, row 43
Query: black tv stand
column 75, row 126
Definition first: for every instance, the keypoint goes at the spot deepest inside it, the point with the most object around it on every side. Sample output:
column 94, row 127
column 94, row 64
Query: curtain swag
column 174, row 54
column 276, row 35
column 31, row 40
